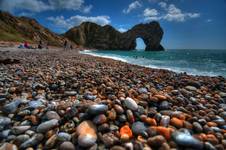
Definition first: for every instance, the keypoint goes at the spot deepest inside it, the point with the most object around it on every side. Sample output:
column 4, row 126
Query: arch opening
column 140, row 45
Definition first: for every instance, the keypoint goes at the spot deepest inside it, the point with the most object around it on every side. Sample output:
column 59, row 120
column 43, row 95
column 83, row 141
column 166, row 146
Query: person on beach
column 65, row 44
column 26, row 45
column 40, row 45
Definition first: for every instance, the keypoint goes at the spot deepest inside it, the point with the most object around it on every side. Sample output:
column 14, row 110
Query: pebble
column 164, row 105
column 142, row 90
column 156, row 141
column 165, row 120
column 138, row 128
column 67, row 146
column 130, row 104
column 19, row 129
column 33, row 141
column 100, row 119
column 186, row 140
column 8, row 146
column 197, row 127
column 86, row 134
column 4, row 121
column 109, row 139
column 97, row 109
column 191, row 88
column 11, row 107
column 52, row 115
column 46, row 126
column 35, row 104
column 63, row 136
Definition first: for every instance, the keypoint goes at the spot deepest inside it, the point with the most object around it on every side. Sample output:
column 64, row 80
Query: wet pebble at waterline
column 65, row 100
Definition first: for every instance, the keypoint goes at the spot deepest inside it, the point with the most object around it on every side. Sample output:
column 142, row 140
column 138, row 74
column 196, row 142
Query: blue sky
column 186, row 23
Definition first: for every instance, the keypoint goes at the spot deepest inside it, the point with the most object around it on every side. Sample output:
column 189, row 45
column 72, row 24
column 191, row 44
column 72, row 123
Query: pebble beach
column 55, row 99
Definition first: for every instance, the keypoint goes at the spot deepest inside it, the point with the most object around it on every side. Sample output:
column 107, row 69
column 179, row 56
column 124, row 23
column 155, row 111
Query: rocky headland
column 106, row 37
column 64, row 100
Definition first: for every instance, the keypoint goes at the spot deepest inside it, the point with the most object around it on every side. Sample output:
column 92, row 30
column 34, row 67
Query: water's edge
column 135, row 61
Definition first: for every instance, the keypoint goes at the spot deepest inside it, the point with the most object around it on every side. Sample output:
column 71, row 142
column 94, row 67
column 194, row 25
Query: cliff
column 21, row 29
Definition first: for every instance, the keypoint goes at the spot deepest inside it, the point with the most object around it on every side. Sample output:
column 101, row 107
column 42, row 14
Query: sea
column 193, row 62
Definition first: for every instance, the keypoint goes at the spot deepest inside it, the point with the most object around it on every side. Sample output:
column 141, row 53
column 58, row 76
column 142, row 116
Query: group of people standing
column 67, row 45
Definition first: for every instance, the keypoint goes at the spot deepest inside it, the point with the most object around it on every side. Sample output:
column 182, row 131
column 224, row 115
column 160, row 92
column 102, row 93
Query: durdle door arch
column 106, row 37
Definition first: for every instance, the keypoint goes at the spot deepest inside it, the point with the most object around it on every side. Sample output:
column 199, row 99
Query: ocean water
column 194, row 62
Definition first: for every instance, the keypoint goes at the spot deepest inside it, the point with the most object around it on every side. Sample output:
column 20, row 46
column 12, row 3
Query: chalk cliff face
column 95, row 36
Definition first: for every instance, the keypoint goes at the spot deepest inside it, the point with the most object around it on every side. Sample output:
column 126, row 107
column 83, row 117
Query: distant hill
column 19, row 29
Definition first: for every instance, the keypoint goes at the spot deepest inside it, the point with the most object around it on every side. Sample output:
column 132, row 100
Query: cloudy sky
column 186, row 23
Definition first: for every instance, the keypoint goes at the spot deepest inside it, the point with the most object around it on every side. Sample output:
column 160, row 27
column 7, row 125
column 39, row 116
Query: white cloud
column 209, row 20
column 170, row 13
column 64, row 23
column 66, row 4
column 132, row 6
column 122, row 30
column 87, row 9
column 162, row 4
column 28, row 5
column 39, row 6
column 150, row 12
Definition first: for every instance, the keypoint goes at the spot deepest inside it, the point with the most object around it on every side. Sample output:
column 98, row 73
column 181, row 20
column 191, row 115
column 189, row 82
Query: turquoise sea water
column 195, row 62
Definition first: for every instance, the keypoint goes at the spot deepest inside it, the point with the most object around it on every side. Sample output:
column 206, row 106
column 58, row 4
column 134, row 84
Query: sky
column 187, row 24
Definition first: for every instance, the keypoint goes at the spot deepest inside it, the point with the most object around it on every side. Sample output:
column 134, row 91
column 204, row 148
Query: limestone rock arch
column 92, row 35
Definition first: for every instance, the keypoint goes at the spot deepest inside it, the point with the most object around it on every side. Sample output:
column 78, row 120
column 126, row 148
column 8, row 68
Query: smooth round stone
column 156, row 141
column 165, row 120
column 116, row 147
column 97, row 109
column 100, row 119
column 142, row 90
column 4, row 134
column 70, row 93
column 35, row 104
column 118, row 109
column 104, row 128
column 67, row 146
column 220, row 121
column 186, row 140
column 63, row 136
column 164, row 105
column 130, row 103
column 190, row 88
column 89, row 96
column 8, row 146
column 138, row 128
column 35, row 140
column 20, row 129
column 52, row 115
column 86, row 134
column 197, row 127
column 22, row 138
column 46, row 126
column 4, row 121
column 11, row 107
column 209, row 146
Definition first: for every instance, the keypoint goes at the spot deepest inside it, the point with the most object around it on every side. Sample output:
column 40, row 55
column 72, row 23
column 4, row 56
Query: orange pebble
column 211, row 124
column 125, row 130
column 160, row 97
column 177, row 122
column 151, row 121
column 166, row 132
